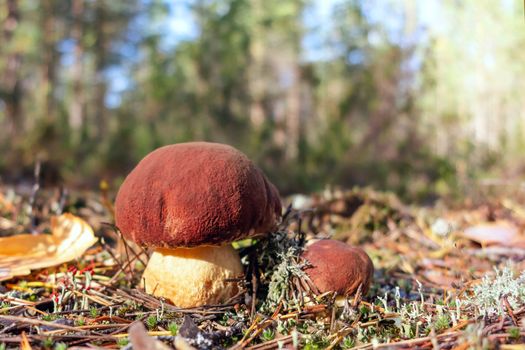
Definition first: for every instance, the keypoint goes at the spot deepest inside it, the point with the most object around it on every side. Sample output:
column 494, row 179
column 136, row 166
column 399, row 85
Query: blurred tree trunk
column 293, row 113
column 379, row 117
column 256, row 83
column 49, row 52
column 76, row 112
column 10, row 86
column 101, row 59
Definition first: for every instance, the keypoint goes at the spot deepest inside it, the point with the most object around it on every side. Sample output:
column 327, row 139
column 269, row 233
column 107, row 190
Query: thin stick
column 32, row 199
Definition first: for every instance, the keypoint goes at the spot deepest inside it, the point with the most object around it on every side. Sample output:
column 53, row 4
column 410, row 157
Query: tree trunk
column 293, row 114
column 10, row 87
column 49, row 52
column 100, row 65
column 76, row 112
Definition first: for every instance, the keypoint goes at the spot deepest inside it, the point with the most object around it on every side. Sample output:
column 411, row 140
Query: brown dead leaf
column 70, row 238
column 498, row 233
column 142, row 341
column 440, row 278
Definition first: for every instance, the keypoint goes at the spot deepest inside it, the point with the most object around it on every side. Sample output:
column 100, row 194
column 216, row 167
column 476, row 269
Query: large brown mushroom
column 338, row 267
column 189, row 201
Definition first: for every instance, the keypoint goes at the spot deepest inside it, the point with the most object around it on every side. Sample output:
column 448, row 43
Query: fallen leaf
column 142, row 341
column 440, row 278
column 70, row 237
column 498, row 233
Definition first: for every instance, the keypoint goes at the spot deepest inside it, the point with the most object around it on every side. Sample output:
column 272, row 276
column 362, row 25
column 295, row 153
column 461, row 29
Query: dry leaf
column 498, row 233
column 440, row 278
column 142, row 341
column 70, row 237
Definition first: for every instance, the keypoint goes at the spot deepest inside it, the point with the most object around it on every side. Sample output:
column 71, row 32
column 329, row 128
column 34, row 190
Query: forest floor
column 446, row 277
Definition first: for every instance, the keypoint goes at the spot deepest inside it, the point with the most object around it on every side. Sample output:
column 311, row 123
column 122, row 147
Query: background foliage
column 420, row 97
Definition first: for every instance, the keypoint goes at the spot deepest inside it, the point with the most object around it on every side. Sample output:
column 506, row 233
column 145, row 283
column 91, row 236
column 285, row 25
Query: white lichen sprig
column 486, row 297
column 282, row 275
column 280, row 263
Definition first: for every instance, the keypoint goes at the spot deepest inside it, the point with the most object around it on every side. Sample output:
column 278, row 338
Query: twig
column 272, row 344
column 510, row 311
column 32, row 198
column 34, row 322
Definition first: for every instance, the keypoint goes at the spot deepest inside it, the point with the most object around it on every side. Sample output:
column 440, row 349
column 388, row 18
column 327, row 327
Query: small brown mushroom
column 189, row 201
column 338, row 267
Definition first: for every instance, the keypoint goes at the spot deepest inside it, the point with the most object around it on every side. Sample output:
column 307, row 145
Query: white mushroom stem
column 191, row 277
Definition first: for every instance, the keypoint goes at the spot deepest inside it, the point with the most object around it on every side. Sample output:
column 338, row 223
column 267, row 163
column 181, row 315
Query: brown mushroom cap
column 338, row 267
column 195, row 193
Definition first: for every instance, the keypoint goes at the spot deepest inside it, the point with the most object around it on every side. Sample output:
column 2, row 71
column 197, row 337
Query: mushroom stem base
column 190, row 277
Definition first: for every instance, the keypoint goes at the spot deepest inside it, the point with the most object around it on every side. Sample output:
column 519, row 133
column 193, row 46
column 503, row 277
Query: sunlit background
column 424, row 97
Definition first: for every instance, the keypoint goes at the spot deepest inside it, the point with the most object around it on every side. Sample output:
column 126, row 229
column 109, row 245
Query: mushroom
column 338, row 267
column 189, row 201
